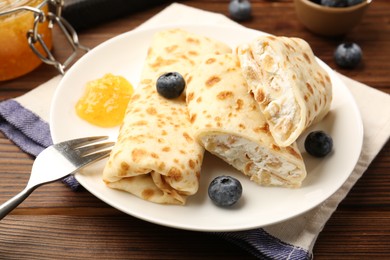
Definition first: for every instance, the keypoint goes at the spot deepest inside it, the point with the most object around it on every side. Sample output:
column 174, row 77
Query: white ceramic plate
column 259, row 206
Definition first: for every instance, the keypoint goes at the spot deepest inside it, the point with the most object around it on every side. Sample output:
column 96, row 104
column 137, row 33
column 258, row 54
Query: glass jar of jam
column 16, row 55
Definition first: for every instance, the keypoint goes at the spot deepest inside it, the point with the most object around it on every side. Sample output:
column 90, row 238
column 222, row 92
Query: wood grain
column 57, row 223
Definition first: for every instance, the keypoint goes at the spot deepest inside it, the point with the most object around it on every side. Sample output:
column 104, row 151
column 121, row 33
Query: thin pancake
column 292, row 89
column 228, row 122
column 155, row 157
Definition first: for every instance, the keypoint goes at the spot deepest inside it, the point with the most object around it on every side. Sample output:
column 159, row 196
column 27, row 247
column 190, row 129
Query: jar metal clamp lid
column 54, row 18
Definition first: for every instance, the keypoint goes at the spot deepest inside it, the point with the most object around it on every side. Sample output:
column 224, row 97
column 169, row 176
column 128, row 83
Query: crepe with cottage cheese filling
column 228, row 122
column 155, row 157
column 292, row 89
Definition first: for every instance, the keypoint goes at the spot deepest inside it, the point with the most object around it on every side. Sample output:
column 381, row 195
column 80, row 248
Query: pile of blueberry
column 337, row 3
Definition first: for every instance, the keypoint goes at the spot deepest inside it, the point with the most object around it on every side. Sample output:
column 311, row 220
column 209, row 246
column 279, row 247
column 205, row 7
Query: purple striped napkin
column 24, row 121
column 28, row 131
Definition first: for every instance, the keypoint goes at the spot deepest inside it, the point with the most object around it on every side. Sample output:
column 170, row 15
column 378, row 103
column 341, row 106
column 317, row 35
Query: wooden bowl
column 329, row 21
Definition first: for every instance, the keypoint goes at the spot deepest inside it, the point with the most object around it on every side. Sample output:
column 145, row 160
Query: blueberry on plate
column 240, row 10
column 225, row 191
column 348, row 55
column 170, row 85
column 334, row 3
column 318, row 143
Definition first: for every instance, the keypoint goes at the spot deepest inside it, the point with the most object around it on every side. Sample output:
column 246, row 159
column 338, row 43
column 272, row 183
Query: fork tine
column 93, row 157
column 84, row 150
column 82, row 141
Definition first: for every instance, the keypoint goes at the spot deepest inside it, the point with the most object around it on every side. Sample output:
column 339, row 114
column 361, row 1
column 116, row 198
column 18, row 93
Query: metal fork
column 58, row 161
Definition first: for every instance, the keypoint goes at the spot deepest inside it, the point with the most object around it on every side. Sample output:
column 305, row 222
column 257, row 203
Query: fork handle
column 12, row 203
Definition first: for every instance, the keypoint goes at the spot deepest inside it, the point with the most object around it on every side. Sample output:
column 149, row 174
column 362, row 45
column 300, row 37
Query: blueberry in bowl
column 334, row 3
column 330, row 17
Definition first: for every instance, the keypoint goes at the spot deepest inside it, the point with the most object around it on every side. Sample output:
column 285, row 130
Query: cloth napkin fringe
column 265, row 246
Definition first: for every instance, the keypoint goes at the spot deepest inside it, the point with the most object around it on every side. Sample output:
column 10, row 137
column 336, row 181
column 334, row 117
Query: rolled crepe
column 228, row 122
column 292, row 89
column 155, row 157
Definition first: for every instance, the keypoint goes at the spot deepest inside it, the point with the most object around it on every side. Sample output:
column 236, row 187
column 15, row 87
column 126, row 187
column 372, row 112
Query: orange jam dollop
column 105, row 101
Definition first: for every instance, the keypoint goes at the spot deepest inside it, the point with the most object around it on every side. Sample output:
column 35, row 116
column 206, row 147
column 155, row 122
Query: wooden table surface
column 57, row 223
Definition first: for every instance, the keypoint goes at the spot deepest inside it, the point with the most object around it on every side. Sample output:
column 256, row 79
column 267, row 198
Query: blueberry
column 334, row 3
column 348, row 55
column 225, row 191
column 240, row 10
column 170, row 85
column 318, row 143
column 354, row 2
